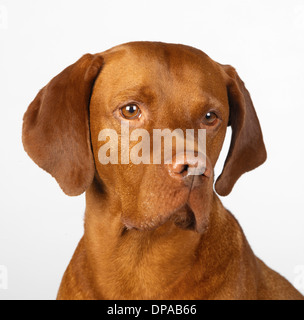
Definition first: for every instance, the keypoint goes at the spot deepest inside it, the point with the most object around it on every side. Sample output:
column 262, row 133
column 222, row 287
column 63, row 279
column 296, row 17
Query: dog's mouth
column 184, row 218
column 185, row 201
column 192, row 215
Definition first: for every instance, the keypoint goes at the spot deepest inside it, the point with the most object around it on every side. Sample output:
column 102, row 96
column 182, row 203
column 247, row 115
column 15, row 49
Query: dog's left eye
column 210, row 118
column 130, row 112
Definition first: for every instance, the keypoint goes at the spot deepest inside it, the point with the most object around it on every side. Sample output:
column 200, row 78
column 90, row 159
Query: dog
column 152, row 231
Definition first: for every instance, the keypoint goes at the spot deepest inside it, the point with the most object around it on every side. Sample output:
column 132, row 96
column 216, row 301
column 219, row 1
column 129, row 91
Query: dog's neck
column 133, row 264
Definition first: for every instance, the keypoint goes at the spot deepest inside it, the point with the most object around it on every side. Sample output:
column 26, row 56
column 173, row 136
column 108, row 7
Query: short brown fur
column 148, row 235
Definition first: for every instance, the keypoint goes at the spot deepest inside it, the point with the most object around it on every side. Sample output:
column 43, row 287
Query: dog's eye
column 130, row 112
column 210, row 118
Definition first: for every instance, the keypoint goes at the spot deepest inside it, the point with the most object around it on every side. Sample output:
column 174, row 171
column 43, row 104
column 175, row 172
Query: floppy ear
column 56, row 126
column 247, row 150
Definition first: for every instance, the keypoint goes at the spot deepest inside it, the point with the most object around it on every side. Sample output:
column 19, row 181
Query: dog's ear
column 56, row 126
column 247, row 150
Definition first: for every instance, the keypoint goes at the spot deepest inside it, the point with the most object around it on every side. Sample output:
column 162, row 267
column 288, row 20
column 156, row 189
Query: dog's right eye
column 130, row 112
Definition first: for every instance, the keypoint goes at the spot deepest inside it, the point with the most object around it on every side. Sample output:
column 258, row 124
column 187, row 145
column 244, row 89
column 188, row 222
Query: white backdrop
column 40, row 226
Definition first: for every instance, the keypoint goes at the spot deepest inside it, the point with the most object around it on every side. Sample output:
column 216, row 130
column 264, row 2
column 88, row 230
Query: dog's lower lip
column 128, row 226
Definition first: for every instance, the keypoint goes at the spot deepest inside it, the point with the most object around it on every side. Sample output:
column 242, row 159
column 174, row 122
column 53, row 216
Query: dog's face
column 166, row 87
column 145, row 86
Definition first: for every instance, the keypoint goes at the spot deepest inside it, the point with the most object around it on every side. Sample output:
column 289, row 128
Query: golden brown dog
column 152, row 231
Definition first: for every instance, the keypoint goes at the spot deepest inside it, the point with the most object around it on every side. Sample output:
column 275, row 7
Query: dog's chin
column 183, row 218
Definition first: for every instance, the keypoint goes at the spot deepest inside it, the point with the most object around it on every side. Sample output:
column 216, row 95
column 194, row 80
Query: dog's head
column 90, row 114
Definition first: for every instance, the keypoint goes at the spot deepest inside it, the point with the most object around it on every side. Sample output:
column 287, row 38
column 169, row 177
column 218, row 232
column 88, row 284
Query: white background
column 40, row 226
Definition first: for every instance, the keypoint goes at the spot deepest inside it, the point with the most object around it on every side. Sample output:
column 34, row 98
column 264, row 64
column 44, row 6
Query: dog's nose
column 188, row 164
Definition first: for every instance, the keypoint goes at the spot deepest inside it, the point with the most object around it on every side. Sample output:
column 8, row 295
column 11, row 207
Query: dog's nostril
column 184, row 169
column 193, row 166
column 180, row 169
